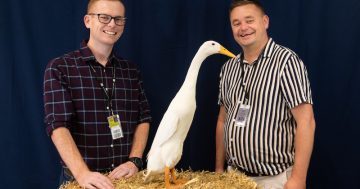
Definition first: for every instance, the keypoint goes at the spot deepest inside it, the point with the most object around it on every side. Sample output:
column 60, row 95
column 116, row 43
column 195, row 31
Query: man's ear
column 87, row 21
column 266, row 21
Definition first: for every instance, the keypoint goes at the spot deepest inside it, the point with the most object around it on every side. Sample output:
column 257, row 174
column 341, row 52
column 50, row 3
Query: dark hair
column 237, row 3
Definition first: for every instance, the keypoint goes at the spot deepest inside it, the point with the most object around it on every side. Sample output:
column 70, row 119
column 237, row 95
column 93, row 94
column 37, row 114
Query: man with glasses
column 266, row 124
column 96, row 111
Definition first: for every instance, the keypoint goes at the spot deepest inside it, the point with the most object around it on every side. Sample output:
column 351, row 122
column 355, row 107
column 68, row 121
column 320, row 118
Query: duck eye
column 213, row 43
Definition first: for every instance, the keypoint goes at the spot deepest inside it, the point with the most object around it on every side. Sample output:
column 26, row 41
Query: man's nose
column 112, row 22
column 243, row 26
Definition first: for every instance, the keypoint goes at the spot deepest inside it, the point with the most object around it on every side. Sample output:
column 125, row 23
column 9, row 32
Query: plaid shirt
column 74, row 99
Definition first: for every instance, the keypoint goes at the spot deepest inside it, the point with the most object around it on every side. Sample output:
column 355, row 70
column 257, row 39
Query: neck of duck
column 192, row 74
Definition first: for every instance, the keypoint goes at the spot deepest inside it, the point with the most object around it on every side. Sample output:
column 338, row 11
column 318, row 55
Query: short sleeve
column 295, row 84
column 221, row 88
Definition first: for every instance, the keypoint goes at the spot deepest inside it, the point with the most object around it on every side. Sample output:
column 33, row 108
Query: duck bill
column 226, row 52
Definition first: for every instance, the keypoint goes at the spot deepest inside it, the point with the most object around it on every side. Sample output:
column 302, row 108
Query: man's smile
column 110, row 32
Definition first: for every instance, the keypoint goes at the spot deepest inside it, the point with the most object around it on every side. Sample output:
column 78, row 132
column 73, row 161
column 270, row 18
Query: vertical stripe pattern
column 275, row 83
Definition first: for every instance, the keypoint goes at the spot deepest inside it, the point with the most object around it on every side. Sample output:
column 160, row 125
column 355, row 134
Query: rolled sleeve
column 144, row 107
column 57, row 102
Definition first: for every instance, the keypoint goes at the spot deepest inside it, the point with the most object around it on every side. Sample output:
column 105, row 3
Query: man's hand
column 125, row 170
column 71, row 156
column 94, row 180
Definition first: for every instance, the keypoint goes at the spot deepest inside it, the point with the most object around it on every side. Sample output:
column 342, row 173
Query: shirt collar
column 269, row 48
column 87, row 54
column 266, row 53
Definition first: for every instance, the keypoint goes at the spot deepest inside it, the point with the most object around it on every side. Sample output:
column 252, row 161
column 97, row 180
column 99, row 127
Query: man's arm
column 304, row 140
column 70, row 154
column 128, row 169
column 220, row 146
column 140, row 140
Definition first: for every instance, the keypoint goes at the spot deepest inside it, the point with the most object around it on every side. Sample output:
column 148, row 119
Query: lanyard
column 242, row 74
column 106, row 92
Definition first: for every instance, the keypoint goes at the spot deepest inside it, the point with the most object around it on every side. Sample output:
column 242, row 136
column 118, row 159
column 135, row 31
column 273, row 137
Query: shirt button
column 112, row 165
column 107, row 107
column 111, row 145
column 231, row 140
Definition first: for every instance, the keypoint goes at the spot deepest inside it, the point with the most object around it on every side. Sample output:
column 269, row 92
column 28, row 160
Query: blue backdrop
column 162, row 36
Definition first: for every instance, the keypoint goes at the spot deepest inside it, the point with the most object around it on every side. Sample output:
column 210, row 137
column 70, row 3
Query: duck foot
column 177, row 183
column 180, row 182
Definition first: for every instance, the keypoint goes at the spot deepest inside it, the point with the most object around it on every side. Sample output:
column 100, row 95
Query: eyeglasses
column 105, row 19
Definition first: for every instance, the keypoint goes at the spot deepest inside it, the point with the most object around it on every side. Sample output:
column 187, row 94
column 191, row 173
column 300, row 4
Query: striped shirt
column 275, row 83
column 74, row 99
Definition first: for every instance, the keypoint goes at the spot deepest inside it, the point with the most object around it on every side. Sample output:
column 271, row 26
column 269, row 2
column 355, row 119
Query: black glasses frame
column 119, row 20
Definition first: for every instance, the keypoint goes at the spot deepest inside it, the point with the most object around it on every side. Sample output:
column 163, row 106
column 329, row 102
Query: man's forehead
column 101, row 5
column 247, row 8
column 245, row 14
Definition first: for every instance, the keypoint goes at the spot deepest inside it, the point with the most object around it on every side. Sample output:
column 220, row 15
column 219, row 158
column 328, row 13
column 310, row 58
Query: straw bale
column 197, row 180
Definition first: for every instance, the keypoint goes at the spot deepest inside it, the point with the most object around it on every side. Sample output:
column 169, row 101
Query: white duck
column 167, row 147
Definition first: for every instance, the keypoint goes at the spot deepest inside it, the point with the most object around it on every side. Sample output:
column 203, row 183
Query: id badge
column 242, row 115
column 115, row 126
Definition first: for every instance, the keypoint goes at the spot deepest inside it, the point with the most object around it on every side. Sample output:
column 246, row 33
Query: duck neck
column 193, row 71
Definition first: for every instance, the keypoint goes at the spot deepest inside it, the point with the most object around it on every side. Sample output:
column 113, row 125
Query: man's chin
column 245, row 43
column 110, row 41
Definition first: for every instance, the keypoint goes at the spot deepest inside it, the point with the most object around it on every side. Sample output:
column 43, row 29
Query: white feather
column 167, row 147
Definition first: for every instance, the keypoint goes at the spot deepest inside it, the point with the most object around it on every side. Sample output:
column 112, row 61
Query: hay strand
column 197, row 180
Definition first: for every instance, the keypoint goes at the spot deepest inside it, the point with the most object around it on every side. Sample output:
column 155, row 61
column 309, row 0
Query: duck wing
column 167, row 128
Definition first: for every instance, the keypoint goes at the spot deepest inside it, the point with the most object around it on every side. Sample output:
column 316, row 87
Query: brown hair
column 237, row 3
column 91, row 2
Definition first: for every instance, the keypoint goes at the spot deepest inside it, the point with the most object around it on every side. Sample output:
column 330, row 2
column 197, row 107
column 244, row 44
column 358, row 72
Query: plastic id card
column 115, row 126
column 242, row 115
